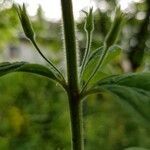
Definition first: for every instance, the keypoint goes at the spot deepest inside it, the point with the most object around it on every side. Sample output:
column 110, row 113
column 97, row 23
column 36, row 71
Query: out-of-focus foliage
column 34, row 112
column 8, row 25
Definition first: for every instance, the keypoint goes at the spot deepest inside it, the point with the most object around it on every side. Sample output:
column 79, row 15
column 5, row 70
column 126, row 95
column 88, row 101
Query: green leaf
column 95, row 54
column 37, row 69
column 130, row 90
column 135, row 80
column 136, row 148
column 7, row 67
column 91, row 63
column 113, row 52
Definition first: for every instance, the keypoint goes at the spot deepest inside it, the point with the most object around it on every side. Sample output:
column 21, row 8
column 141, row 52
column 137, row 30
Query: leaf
column 91, row 63
column 95, row 54
column 137, row 80
column 7, row 67
column 136, row 148
column 113, row 52
column 130, row 90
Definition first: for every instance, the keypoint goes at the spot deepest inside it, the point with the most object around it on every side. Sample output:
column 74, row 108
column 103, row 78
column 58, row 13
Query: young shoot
column 111, row 38
column 30, row 34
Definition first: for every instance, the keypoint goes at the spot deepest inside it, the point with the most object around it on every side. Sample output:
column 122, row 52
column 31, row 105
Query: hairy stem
column 75, row 106
column 72, row 75
column 48, row 61
column 70, row 44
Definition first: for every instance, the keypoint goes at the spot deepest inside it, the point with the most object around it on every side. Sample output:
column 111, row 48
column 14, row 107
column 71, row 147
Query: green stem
column 72, row 74
column 76, row 116
column 48, row 61
column 70, row 44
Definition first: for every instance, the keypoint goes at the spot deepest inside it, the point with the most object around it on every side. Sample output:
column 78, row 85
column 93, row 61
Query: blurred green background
column 34, row 111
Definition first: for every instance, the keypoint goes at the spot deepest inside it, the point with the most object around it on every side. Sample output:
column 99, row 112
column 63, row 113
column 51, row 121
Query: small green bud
column 25, row 21
column 89, row 24
column 113, row 34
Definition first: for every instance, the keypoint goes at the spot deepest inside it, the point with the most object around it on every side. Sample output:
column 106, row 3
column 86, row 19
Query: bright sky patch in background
column 52, row 8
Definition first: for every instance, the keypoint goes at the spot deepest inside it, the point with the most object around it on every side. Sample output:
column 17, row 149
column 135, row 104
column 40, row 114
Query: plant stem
column 72, row 75
column 75, row 106
column 70, row 44
column 48, row 61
